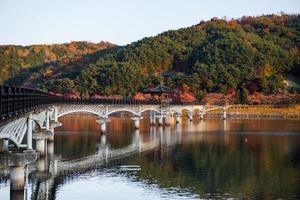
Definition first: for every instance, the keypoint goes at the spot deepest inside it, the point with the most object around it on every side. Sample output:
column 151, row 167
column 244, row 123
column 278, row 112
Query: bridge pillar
column 177, row 117
column 16, row 163
column 224, row 115
column 160, row 121
column 136, row 120
column 103, row 127
column 51, row 137
column 201, row 115
column 40, row 136
column 55, row 114
column 167, row 119
column 47, row 120
column 29, row 132
column 5, row 144
column 190, row 116
column 103, row 124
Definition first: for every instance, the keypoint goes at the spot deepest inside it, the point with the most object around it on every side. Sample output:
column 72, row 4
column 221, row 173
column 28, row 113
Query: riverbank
column 258, row 111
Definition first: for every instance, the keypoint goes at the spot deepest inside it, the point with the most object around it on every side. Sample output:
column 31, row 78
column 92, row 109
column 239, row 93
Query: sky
column 26, row 22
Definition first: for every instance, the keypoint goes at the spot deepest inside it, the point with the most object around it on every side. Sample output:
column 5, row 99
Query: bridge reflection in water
column 121, row 142
column 51, row 169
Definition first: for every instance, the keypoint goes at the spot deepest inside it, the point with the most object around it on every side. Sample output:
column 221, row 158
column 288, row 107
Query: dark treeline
column 247, row 55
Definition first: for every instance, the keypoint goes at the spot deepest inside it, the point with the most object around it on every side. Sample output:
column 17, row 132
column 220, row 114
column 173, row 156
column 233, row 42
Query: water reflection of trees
column 218, row 162
column 262, row 170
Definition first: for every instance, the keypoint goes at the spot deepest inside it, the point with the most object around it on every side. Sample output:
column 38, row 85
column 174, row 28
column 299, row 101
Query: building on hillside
column 169, row 74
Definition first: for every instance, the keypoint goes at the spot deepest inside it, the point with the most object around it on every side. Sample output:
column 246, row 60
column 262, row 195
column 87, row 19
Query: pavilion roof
column 160, row 89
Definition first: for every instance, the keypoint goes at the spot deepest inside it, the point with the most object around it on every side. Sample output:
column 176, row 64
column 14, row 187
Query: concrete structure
column 39, row 125
column 16, row 163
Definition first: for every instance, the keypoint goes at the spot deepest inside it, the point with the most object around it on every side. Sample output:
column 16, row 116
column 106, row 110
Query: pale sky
column 27, row 22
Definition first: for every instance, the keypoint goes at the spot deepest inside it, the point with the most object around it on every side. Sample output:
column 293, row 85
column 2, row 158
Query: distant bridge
column 26, row 112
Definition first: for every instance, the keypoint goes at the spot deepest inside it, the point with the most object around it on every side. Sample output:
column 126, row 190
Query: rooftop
column 160, row 89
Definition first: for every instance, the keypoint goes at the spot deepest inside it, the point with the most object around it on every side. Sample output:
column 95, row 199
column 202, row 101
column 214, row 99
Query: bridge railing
column 16, row 100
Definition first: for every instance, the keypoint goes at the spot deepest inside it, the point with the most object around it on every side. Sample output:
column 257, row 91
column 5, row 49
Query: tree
column 242, row 95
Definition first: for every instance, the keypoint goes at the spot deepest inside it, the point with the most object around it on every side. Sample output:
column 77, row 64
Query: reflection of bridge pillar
column 225, row 125
column 16, row 194
column 103, row 139
column 152, row 118
column 160, row 134
column 152, row 134
column 17, row 177
column 178, row 133
column 40, row 146
column 41, row 164
column 202, row 126
column 50, row 148
column 168, row 135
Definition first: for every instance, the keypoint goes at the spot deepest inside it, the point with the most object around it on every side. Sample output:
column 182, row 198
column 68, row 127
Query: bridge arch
column 149, row 109
column 81, row 111
column 122, row 110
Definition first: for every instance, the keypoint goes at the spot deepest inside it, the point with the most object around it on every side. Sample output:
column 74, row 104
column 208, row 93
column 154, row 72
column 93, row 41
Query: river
column 203, row 159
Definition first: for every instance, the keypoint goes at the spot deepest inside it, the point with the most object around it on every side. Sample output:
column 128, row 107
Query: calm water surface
column 210, row 159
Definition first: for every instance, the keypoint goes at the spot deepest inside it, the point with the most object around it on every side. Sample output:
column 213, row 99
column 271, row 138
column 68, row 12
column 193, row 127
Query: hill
column 15, row 60
column 243, row 56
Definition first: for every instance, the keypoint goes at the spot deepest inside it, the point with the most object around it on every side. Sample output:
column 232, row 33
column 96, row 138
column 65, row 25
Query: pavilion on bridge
column 162, row 93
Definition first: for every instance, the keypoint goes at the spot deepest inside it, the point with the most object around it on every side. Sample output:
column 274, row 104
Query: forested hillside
column 17, row 60
column 246, row 55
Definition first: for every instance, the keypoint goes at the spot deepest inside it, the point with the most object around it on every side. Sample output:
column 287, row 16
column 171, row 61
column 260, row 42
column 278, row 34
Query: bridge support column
column 103, row 127
column 40, row 146
column 190, row 116
column 167, row 119
column 29, row 132
column 160, row 121
column 16, row 163
column 40, row 136
column 103, row 124
column 55, row 114
column 136, row 120
column 47, row 120
column 51, row 137
column 224, row 115
column 5, row 144
column 201, row 115
column 177, row 117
